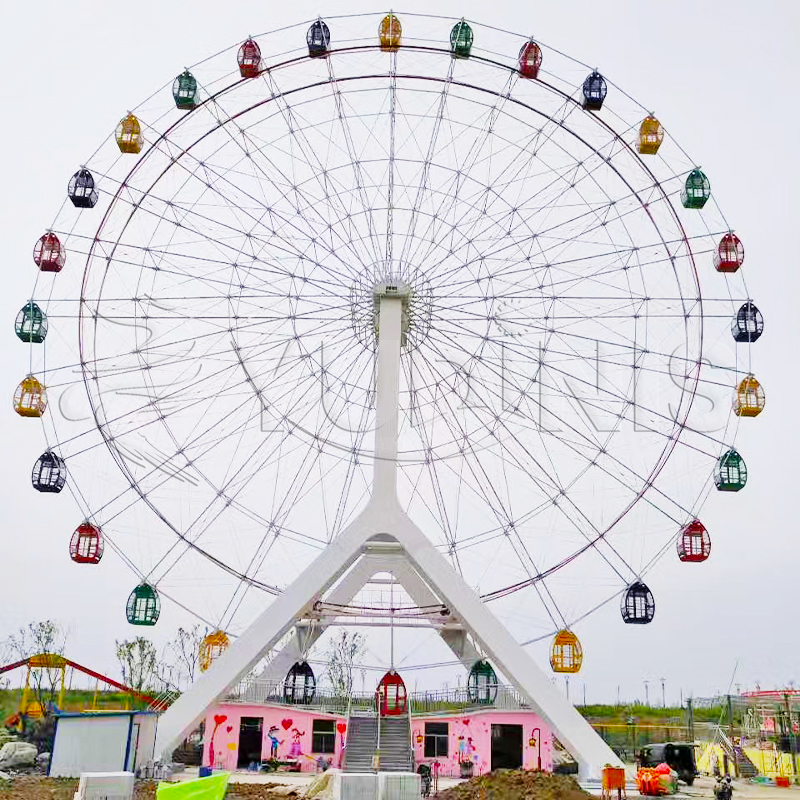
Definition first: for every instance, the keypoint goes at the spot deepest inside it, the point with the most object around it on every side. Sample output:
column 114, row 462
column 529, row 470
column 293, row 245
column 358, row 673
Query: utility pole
column 663, row 692
column 584, row 694
column 792, row 737
column 647, row 693
column 618, row 695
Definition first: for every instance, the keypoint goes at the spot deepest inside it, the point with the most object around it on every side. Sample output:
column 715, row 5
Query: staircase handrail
column 378, row 728
column 343, row 758
column 410, row 735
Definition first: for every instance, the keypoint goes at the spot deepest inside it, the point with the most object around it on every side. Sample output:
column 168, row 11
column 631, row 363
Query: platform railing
column 498, row 696
column 259, row 692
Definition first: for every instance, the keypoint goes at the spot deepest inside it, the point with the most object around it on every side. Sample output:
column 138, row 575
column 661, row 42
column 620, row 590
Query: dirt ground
column 516, row 785
column 35, row 787
column 500, row 785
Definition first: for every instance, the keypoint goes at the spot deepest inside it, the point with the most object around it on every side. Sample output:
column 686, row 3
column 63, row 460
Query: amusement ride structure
column 360, row 306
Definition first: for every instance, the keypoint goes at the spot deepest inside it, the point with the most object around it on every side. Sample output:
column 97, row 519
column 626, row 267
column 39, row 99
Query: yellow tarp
column 767, row 762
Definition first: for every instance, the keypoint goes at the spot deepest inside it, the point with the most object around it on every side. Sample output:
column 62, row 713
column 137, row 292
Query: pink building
column 256, row 723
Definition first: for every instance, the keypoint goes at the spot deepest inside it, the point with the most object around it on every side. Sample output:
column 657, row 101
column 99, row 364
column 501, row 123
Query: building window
column 323, row 736
column 436, row 739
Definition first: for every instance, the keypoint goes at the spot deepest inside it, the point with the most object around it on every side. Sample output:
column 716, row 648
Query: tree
column 6, row 657
column 45, row 636
column 343, row 651
column 185, row 648
column 138, row 663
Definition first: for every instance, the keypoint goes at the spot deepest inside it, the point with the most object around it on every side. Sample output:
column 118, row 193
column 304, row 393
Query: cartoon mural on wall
column 341, row 727
column 296, row 750
column 466, row 751
column 273, row 739
column 218, row 720
column 469, row 742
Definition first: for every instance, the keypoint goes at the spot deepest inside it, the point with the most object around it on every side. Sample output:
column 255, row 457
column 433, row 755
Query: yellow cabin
column 30, row 398
column 749, row 399
column 213, row 646
column 129, row 135
column 566, row 653
column 390, row 32
column 651, row 134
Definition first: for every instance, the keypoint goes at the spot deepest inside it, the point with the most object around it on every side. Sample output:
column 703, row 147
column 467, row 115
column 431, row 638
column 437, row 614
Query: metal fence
column 257, row 692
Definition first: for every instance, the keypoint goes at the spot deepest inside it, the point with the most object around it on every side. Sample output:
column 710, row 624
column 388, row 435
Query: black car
column 679, row 756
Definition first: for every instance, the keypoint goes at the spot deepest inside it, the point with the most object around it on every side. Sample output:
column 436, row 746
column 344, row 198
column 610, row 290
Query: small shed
column 103, row 741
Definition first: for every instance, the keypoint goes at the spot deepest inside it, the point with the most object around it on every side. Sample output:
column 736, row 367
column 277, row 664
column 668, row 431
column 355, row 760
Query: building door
column 506, row 746
column 250, row 736
column 133, row 748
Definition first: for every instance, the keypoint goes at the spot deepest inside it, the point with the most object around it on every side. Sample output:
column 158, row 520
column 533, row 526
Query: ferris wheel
column 204, row 325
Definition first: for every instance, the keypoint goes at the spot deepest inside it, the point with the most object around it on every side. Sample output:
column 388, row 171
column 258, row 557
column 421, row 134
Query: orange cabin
column 749, row 400
column 729, row 255
column 391, row 695
column 566, row 653
column 390, row 33
column 249, row 59
column 49, row 254
column 30, row 398
column 651, row 134
column 213, row 646
column 530, row 59
column 129, row 135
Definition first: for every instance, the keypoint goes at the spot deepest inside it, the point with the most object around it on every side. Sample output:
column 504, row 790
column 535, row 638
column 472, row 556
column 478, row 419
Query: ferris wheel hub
column 391, row 281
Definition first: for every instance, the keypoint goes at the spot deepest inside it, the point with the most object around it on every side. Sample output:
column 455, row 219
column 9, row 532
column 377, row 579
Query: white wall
column 89, row 744
column 145, row 746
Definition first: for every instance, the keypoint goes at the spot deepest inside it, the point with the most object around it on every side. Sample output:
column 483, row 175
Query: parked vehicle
column 678, row 755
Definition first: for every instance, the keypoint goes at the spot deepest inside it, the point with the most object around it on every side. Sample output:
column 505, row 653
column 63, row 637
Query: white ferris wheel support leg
column 186, row 713
column 384, row 520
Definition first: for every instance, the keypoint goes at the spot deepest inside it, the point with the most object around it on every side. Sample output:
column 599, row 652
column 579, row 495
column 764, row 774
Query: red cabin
column 694, row 543
column 49, row 254
column 730, row 254
column 391, row 695
column 249, row 59
column 530, row 59
column 86, row 545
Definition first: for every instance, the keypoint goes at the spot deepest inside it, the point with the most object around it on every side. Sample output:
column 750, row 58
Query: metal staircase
column 742, row 763
column 747, row 769
column 362, row 741
column 395, row 744
column 389, row 736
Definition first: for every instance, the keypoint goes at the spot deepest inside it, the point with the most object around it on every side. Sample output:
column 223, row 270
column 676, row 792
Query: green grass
column 74, row 700
column 647, row 715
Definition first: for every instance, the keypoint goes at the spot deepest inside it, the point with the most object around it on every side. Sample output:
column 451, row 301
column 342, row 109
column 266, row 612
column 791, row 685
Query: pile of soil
column 260, row 791
column 35, row 787
column 516, row 784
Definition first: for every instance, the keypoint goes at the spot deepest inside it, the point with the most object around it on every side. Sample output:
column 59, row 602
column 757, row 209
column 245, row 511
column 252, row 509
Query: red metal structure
column 54, row 661
column 694, row 543
column 391, row 695
column 48, row 254
column 730, row 254
column 530, row 59
column 86, row 545
column 249, row 59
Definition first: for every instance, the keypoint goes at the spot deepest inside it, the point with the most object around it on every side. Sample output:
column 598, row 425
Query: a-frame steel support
column 384, row 525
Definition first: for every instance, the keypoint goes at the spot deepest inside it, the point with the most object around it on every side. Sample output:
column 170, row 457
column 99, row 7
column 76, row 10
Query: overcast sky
column 725, row 76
